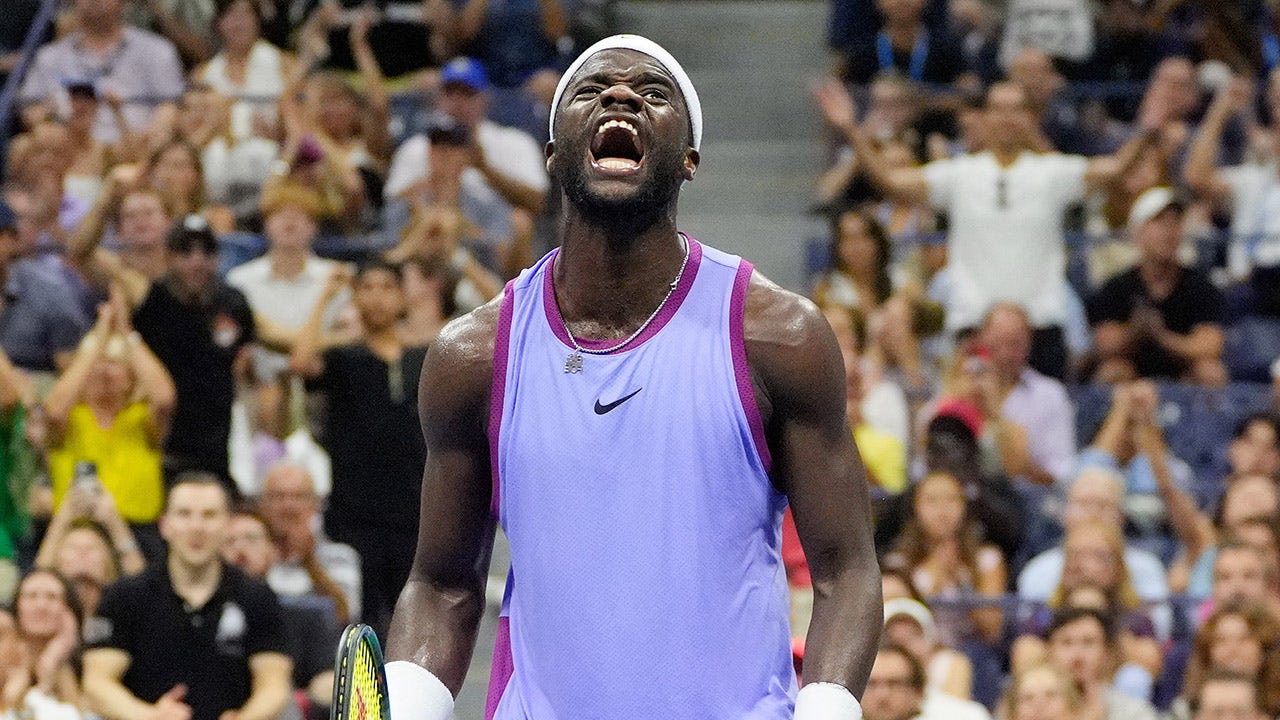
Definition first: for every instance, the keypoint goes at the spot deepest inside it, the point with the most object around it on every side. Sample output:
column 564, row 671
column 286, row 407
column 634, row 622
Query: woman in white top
column 247, row 69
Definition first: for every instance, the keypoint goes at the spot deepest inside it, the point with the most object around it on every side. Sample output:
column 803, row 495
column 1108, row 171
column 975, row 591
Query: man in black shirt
column 192, row 638
column 1158, row 320
column 372, row 433
column 197, row 326
column 904, row 46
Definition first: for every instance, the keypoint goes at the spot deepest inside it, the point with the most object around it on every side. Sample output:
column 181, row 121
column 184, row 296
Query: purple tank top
column 646, row 576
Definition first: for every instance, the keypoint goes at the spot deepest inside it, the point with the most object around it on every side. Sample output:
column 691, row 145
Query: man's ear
column 549, row 150
column 691, row 160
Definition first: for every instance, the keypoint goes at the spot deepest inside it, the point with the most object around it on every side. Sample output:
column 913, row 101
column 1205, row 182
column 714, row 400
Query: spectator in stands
column 41, row 163
column 40, row 321
column 857, row 272
column 895, row 689
column 248, row 71
column 198, row 327
column 1242, row 639
column 893, row 109
column 1157, row 484
column 283, row 285
column 235, row 168
column 882, row 445
column 487, row 170
column 1082, row 642
column 138, row 233
column 307, row 561
column 1059, row 119
column 1094, row 497
column 942, row 550
column 139, row 67
column 90, row 544
column 1247, row 499
column 518, row 43
column 970, row 385
column 14, row 26
column 1227, row 695
column 436, row 231
column 411, row 38
column 1006, row 213
column 1037, row 403
column 176, row 173
column 49, row 619
column 108, row 416
column 18, row 468
column 1158, row 320
column 896, row 352
column 371, row 390
column 1094, row 576
column 1042, row 692
column 145, row 659
column 1255, row 446
column 904, row 46
column 248, row 545
column 1241, row 576
column 909, row 624
column 429, row 287
column 1248, row 191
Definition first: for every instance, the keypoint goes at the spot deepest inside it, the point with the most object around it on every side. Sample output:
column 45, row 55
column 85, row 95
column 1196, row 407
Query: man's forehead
column 625, row 64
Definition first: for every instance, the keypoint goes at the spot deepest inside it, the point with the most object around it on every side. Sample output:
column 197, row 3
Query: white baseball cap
column 1150, row 204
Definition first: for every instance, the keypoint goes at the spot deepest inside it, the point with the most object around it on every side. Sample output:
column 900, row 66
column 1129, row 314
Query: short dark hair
column 1071, row 615
column 917, row 676
column 197, row 477
column 378, row 264
column 1252, row 419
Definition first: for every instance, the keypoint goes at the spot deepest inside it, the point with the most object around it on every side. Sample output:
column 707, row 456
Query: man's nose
column 621, row 94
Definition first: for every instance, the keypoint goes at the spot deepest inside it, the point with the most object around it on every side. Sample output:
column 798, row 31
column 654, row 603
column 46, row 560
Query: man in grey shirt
column 139, row 67
column 40, row 321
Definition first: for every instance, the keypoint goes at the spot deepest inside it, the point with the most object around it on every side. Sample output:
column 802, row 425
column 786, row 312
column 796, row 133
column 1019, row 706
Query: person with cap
column 466, row 159
column 197, row 325
column 948, row 673
column 1158, row 320
column 636, row 410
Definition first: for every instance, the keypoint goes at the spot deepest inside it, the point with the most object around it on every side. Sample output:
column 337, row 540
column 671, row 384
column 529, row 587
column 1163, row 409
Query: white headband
column 653, row 50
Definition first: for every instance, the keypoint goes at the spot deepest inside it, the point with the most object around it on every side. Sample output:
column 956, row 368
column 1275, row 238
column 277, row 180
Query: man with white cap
column 636, row 410
column 1159, row 319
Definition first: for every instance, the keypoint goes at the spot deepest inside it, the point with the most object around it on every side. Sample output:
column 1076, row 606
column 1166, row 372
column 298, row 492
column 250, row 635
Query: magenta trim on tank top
column 498, row 387
column 501, row 670
column 552, row 310
column 741, row 370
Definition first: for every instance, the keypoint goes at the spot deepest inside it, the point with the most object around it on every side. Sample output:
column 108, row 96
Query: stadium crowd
column 229, row 229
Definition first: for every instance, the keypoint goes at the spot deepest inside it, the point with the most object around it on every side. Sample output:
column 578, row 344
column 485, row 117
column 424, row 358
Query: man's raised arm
column 433, row 632
column 794, row 354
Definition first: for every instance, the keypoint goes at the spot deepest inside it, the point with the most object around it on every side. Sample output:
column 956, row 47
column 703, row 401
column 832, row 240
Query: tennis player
column 637, row 410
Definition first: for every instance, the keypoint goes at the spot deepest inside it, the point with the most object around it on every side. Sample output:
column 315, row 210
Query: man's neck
column 288, row 263
column 103, row 36
column 903, row 36
column 1006, row 156
column 384, row 342
column 610, row 281
column 1158, row 274
column 194, row 583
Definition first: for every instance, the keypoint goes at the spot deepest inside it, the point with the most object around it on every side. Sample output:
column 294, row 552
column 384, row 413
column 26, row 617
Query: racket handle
column 416, row 694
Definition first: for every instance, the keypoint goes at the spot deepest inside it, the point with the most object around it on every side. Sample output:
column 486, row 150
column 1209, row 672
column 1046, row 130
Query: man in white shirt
column 284, row 285
column 490, row 171
column 1005, row 207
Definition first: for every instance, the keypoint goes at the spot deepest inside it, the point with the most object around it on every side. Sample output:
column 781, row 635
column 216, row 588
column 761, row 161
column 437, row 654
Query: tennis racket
column 360, row 682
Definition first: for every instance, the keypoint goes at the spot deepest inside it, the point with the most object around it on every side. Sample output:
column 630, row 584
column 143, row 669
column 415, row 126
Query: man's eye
column 587, row 92
column 653, row 94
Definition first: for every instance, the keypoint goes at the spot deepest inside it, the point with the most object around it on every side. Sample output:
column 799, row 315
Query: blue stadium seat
column 1252, row 344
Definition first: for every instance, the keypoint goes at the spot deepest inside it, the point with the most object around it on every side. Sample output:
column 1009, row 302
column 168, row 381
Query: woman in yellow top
column 112, row 408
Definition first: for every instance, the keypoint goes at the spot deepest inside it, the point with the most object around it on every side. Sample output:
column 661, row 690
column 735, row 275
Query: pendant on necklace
column 573, row 363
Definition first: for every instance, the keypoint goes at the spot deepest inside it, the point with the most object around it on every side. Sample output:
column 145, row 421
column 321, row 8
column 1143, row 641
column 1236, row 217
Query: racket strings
column 365, row 696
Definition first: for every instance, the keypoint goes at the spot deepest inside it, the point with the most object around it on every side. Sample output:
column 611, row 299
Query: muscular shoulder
column 458, row 370
column 791, row 350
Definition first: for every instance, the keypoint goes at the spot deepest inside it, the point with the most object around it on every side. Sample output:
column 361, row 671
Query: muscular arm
column 439, row 610
column 800, row 373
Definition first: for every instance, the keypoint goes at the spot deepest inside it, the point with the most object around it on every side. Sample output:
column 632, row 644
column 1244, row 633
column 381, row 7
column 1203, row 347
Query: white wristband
column 827, row 701
column 416, row 694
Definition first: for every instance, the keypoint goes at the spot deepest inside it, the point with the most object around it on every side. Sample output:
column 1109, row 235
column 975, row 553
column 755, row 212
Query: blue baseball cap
column 465, row 71
column 8, row 220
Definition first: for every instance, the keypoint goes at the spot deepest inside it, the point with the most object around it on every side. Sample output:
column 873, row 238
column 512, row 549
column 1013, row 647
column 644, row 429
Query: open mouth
column 617, row 147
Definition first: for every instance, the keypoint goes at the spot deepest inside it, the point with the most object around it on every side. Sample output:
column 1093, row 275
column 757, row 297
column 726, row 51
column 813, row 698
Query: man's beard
column 652, row 200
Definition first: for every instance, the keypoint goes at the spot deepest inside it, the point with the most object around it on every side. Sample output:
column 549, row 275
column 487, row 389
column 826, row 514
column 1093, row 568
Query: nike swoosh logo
column 602, row 409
